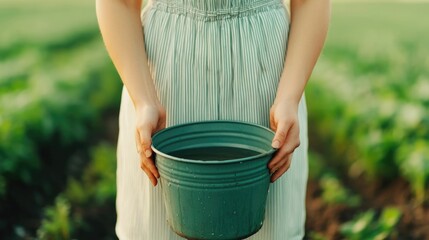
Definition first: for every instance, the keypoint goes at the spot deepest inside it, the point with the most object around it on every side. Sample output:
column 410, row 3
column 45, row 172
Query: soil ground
column 326, row 219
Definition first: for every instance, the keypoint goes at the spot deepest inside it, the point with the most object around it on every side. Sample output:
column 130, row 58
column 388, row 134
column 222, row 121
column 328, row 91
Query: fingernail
column 276, row 144
column 147, row 153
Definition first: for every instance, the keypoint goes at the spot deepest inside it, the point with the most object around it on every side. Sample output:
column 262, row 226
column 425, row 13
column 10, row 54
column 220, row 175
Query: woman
column 191, row 60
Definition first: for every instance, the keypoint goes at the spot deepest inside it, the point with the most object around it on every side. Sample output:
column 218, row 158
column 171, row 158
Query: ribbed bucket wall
column 217, row 198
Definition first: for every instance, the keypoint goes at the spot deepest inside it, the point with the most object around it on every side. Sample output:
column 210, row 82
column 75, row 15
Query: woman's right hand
column 149, row 119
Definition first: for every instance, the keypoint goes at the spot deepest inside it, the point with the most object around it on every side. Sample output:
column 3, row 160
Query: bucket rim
column 228, row 161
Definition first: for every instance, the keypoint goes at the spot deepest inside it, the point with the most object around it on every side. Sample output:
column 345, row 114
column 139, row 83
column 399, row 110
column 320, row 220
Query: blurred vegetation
column 56, row 224
column 367, row 99
column 333, row 191
column 367, row 226
column 86, row 202
column 369, row 95
column 57, row 86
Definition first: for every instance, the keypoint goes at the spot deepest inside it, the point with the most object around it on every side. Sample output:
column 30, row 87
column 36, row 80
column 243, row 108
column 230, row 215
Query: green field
column 57, row 87
column 374, row 70
column 368, row 102
column 368, row 109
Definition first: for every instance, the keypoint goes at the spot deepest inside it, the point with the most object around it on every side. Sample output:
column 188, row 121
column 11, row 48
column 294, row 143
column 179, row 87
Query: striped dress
column 211, row 60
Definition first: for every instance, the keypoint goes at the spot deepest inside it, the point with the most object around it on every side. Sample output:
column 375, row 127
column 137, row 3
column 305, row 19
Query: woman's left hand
column 284, row 121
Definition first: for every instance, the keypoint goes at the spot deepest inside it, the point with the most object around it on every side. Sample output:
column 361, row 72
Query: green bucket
column 214, row 177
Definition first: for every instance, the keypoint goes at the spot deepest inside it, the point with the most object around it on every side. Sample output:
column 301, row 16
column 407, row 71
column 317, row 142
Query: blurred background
column 368, row 102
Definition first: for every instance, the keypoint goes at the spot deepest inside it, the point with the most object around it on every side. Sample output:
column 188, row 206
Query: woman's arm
column 309, row 26
column 120, row 26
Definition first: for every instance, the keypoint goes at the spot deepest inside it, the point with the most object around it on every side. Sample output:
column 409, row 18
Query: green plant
column 98, row 181
column 87, row 203
column 413, row 160
column 316, row 165
column 57, row 224
column 368, row 96
column 333, row 192
column 56, row 87
column 367, row 226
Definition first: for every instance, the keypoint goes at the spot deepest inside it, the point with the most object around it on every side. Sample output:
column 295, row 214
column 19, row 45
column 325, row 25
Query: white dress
column 211, row 60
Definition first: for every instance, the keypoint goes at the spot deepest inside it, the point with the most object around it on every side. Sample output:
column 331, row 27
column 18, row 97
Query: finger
column 283, row 153
column 145, row 155
column 279, row 156
column 292, row 142
column 280, row 136
column 149, row 174
column 293, row 138
column 149, row 164
column 280, row 163
column 146, row 141
column 280, row 171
